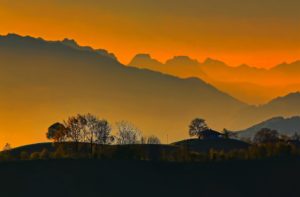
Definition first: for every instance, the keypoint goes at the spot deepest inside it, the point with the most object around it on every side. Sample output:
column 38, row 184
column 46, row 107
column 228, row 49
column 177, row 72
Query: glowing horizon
column 261, row 34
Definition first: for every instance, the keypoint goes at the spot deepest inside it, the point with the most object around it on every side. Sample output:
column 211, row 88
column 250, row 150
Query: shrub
column 34, row 155
column 24, row 155
column 59, row 153
column 44, row 154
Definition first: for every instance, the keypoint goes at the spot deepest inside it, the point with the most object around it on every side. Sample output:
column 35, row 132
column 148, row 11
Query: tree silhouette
column 266, row 135
column 74, row 130
column 197, row 126
column 153, row 140
column 57, row 132
column 127, row 133
column 98, row 131
column 103, row 133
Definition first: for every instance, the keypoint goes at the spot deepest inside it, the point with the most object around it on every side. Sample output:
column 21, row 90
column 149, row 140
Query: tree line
column 88, row 128
column 86, row 136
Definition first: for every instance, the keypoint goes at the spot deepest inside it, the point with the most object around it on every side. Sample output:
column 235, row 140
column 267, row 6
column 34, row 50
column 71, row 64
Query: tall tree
column 98, row 131
column 74, row 130
column 197, row 126
column 103, row 131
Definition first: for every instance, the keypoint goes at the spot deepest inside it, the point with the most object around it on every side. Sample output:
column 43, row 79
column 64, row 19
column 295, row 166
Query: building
column 210, row 134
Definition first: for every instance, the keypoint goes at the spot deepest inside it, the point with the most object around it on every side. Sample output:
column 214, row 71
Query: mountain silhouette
column 287, row 126
column 47, row 81
column 249, row 84
column 73, row 44
column 181, row 66
column 285, row 106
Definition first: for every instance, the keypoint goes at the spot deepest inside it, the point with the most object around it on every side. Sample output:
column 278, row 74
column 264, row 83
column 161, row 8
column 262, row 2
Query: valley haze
column 47, row 81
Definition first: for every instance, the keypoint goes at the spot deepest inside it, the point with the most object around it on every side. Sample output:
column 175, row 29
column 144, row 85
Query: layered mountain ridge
column 249, row 84
column 46, row 81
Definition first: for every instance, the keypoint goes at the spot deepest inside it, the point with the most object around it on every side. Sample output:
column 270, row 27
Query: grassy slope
column 133, row 178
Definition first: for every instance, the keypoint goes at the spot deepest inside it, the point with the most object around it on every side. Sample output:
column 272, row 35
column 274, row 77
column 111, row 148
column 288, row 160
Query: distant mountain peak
column 70, row 42
column 182, row 61
column 183, row 58
column 28, row 40
column 244, row 66
column 12, row 35
column 290, row 96
column 143, row 56
column 144, row 59
column 209, row 61
column 16, row 37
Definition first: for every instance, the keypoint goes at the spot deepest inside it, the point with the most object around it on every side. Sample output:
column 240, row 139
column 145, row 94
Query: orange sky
column 260, row 33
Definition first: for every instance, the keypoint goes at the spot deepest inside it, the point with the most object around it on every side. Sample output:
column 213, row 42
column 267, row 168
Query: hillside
column 47, row 81
column 194, row 145
column 285, row 106
column 114, row 152
column 287, row 126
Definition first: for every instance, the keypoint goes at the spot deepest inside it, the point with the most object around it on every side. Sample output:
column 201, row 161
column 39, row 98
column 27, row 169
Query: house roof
column 210, row 132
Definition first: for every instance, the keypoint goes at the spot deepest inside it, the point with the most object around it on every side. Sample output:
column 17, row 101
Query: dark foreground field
column 86, row 178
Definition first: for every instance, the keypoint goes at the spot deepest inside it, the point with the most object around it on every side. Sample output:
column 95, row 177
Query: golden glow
column 164, row 29
column 260, row 33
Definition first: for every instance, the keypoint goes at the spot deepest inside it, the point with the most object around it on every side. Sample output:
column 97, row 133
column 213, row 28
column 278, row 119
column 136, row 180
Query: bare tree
column 127, row 133
column 197, row 126
column 96, row 130
column 89, row 124
column 74, row 130
column 153, row 140
column 103, row 135
column 57, row 132
column 83, row 127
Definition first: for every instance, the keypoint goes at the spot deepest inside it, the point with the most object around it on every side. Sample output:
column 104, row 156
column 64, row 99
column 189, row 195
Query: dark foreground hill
column 194, row 145
column 215, row 144
column 135, row 178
